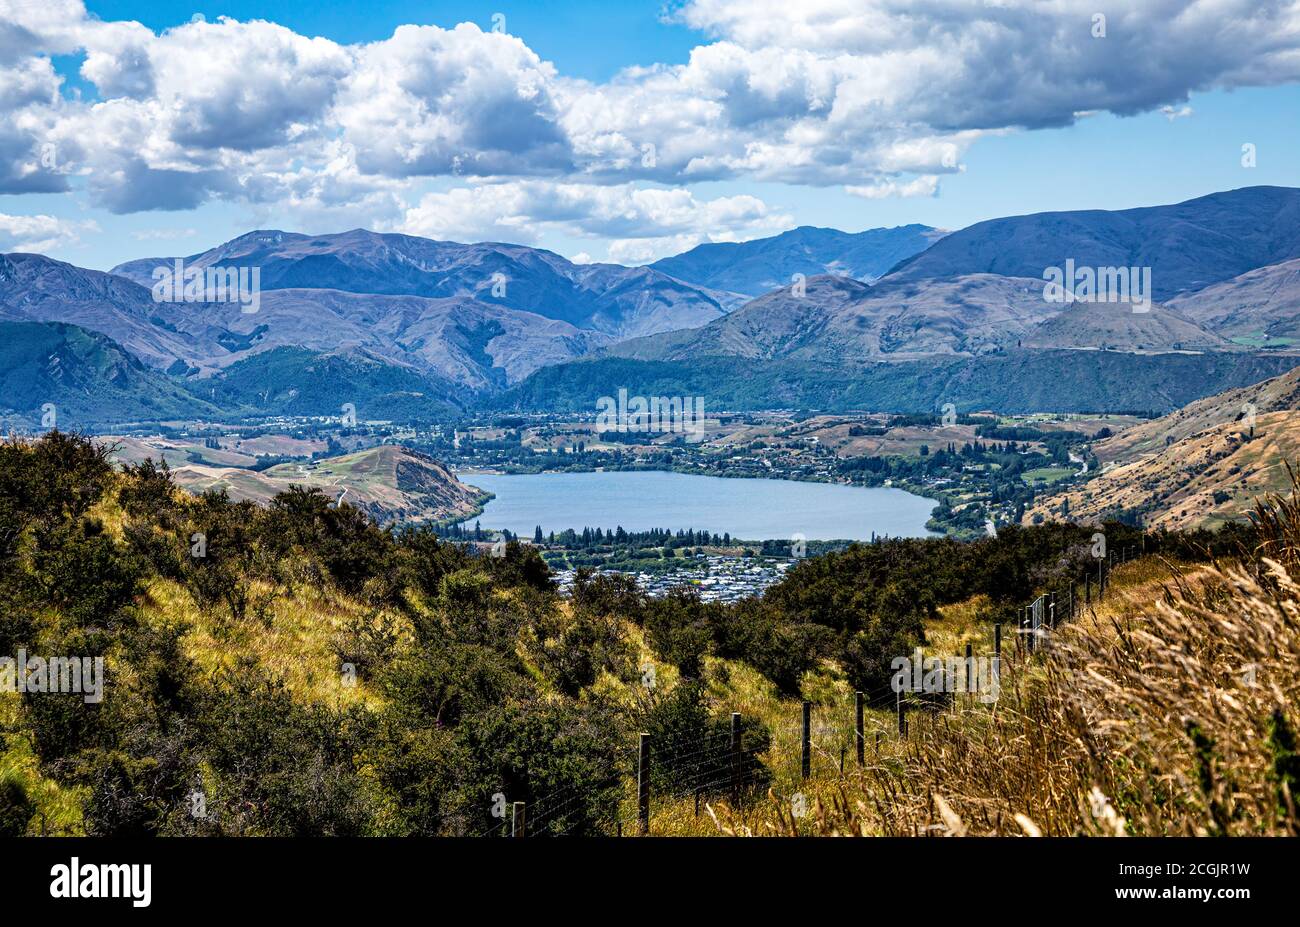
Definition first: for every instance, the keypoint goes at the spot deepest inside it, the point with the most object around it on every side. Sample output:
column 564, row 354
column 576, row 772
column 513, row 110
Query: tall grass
column 1172, row 709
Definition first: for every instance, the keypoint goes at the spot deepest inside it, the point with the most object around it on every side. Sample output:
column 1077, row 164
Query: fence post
column 997, row 640
column 517, row 820
column 859, row 735
column 806, row 764
column 735, row 756
column 902, row 725
column 1051, row 609
column 643, row 784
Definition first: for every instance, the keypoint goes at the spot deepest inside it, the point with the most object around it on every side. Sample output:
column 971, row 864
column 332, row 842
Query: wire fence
column 648, row 781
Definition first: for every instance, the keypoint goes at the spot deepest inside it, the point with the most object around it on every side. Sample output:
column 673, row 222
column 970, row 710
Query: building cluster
column 717, row 578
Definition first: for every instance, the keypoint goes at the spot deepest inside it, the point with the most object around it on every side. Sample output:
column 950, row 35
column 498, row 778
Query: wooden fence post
column 806, row 754
column 902, row 724
column 735, row 757
column 997, row 640
column 517, row 820
column 643, row 784
column 858, row 734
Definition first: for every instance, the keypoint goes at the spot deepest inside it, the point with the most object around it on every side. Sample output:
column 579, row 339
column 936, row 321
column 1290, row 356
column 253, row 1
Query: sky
column 622, row 131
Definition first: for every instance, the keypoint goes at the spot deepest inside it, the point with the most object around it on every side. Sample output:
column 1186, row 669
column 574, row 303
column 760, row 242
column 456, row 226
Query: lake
column 748, row 509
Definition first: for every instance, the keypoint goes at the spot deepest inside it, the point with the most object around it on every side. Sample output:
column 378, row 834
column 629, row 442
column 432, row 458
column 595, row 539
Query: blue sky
column 772, row 124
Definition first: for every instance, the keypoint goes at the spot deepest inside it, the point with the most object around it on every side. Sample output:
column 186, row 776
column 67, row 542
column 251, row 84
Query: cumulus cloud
column 883, row 97
column 39, row 233
column 432, row 101
column 643, row 223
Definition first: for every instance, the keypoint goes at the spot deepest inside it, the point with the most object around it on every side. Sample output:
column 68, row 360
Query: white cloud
column 432, row 101
column 647, row 222
column 163, row 234
column 886, row 189
column 39, row 233
column 881, row 96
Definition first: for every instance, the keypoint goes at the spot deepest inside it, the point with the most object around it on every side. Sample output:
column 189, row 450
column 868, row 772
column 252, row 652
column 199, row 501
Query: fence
column 723, row 765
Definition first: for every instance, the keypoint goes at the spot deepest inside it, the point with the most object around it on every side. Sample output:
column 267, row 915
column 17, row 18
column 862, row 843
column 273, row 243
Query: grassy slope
column 1204, row 480
column 893, row 792
column 986, row 765
column 387, row 481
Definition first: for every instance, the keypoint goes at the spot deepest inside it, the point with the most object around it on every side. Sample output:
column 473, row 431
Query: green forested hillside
column 1018, row 381
column 87, row 377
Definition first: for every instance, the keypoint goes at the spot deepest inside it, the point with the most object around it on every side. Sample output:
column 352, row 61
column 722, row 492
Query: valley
column 706, row 418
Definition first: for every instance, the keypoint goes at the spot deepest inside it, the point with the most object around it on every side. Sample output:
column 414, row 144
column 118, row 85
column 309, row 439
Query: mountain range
column 607, row 298
column 960, row 317
column 899, row 319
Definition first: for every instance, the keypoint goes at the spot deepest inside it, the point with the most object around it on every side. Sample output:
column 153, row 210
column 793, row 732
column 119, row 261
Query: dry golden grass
column 297, row 643
column 1171, row 708
column 58, row 808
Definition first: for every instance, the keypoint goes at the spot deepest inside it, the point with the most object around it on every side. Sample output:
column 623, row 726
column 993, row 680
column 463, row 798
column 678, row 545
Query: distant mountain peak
column 754, row 267
column 591, row 297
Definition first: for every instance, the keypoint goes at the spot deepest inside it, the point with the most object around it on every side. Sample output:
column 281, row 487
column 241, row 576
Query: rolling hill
column 1116, row 327
column 1196, row 467
column 842, row 321
column 1260, row 308
column 388, row 482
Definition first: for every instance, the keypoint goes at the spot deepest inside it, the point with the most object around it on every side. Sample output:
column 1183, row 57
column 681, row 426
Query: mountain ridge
column 607, row 298
column 760, row 265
